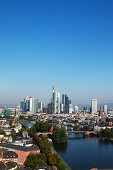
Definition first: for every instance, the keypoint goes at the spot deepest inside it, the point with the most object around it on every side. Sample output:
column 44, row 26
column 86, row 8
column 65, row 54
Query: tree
column 106, row 133
column 34, row 160
column 2, row 132
column 59, row 135
column 40, row 127
column 51, row 159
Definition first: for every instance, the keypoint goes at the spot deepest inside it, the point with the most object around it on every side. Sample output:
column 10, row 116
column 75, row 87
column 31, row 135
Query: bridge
column 44, row 133
column 86, row 133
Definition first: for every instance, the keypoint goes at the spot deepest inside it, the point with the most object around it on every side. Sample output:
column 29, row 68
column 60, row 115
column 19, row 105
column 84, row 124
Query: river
column 85, row 153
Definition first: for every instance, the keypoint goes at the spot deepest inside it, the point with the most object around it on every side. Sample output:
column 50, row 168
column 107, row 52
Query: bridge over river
column 87, row 133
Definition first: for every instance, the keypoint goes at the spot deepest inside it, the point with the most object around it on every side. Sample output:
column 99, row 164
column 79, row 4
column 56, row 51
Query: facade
column 22, row 106
column 33, row 106
column 21, row 151
column 6, row 112
column 50, row 108
column 105, row 109
column 40, row 107
column 27, row 103
column 36, row 105
column 94, row 106
column 70, row 108
column 67, row 106
column 55, row 102
column 76, row 109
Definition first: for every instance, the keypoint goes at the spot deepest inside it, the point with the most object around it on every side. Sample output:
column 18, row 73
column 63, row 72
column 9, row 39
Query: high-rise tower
column 55, row 101
column 94, row 106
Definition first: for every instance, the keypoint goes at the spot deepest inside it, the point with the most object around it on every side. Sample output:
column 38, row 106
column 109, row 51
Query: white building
column 94, row 106
column 55, row 102
column 32, row 105
column 105, row 109
column 70, row 108
column 76, row 109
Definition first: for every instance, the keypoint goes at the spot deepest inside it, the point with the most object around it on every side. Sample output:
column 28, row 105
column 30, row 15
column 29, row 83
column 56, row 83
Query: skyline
column 65, row 43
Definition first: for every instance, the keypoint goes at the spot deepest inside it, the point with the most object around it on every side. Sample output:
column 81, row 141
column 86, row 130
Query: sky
column 67, row 43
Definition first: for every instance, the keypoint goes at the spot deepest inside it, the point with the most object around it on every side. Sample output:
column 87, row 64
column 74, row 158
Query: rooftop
column 17, row 147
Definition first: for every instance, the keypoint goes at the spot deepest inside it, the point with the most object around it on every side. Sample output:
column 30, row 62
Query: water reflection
column 85, row 153
column 61, row 147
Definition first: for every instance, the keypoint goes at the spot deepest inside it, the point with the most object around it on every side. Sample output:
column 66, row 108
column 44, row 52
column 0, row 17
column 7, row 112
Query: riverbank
column 63, row 162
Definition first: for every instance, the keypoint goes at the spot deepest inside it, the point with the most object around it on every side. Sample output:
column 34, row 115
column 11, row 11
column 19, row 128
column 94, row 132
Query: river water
column 85, row 153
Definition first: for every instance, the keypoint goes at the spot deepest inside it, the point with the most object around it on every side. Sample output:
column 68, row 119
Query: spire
column 53, row 89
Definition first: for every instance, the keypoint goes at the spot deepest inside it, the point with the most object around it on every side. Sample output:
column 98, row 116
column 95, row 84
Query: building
column 40, row 107
column 55, row 102
column 36, row 105
column 76, row 109
column 50, row 108
column 100, row 113
column 8, row 156
column 33, row 106
column 21, row 151
column 105, row 109
column 7, row 112
column 94, row 106
column 22, row 106
column 67, row 106
column 27, row 103
column 70, row 108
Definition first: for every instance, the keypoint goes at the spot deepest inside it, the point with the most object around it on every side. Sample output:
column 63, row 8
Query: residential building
column 21, row 151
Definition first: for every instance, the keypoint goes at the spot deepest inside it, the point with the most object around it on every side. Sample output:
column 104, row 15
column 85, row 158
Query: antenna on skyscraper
column 53, row 88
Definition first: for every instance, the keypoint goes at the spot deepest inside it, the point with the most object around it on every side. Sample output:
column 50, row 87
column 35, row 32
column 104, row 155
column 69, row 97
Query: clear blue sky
column 67, row 43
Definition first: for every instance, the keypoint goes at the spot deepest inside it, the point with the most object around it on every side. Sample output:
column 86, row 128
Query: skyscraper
column 94, row 106
column 67, row 107
column 105, row 109
column 76, row 109
column 27, row 103
column 40, row 107
column 55, row 101
column 36, row 105
column 32, row 105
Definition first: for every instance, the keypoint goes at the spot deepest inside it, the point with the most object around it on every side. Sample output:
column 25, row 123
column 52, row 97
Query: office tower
column 50, row 108
column 94, row 106
column 76, row 109
column 105, row 109
column 55, row 102
column 70, row 107
column 36, row 105
column 61, row 107
column 66, row 102
column 85, row 110
column 22, row 106
column 33, row 106
column 40, row 107
column 27, row 103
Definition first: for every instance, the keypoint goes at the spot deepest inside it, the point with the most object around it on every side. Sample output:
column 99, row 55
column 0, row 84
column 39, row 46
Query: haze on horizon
column 61, row 42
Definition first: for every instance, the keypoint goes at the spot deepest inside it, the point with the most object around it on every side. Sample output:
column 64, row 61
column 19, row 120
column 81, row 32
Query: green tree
column 106, row 133
column 51, row 159
column 2, row 132
column 59, row 135
column 40, row 127
column 34, row 160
